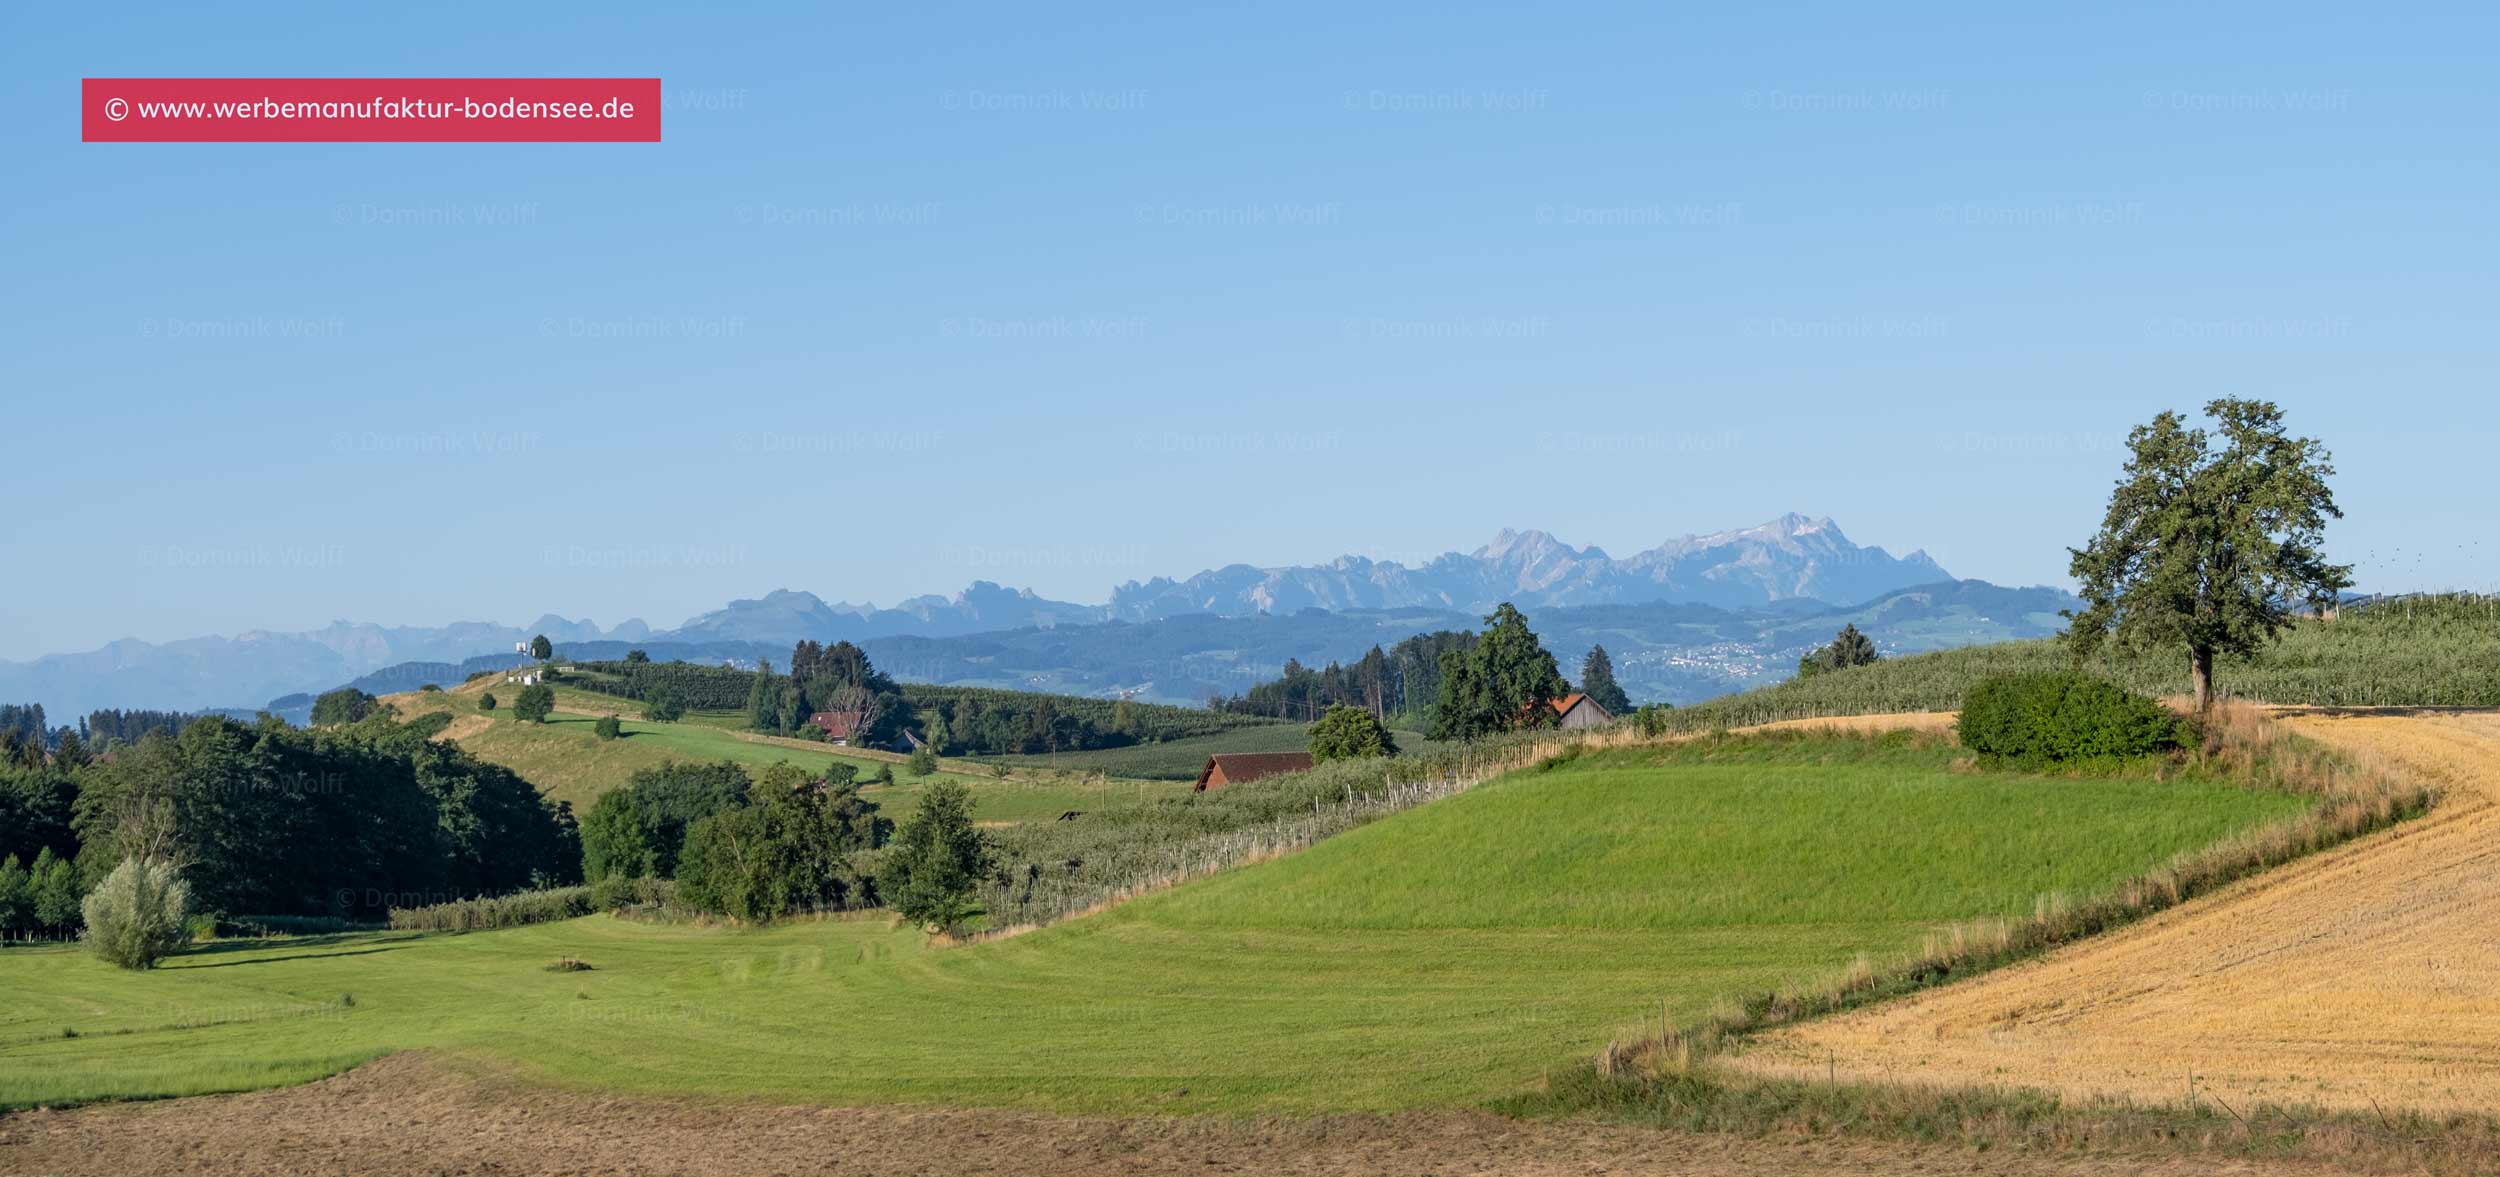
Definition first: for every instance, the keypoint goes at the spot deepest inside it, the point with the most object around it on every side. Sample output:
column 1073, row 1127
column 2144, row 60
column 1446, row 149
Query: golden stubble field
column 2365, row 977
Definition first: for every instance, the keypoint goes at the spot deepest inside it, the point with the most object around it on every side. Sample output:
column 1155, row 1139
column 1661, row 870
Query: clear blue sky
column 914, row 294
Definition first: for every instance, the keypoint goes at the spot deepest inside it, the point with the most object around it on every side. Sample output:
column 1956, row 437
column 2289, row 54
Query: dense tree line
column 38, row 804
column 24, row 723
column 693, row 686
column 981, row 721
column 268, row 819
column 40, row 899
column 104, row 728
column 1400, row 684
column 1454, row 684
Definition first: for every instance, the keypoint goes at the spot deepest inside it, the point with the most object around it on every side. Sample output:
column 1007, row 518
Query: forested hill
column 1662, row 652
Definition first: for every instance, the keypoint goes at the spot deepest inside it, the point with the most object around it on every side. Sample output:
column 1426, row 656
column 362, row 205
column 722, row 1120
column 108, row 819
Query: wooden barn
column 1578, row 710
column 1232, row 768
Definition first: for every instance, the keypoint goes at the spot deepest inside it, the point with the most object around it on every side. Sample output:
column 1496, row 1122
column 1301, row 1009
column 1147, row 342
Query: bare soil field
column 2367, row 976
column 412, row 1114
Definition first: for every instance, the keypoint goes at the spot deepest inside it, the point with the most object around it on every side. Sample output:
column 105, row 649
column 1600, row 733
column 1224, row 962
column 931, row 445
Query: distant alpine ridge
column 1791, row 558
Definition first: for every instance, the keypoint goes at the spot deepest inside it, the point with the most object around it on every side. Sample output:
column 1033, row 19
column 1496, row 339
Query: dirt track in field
column 2368, row 975
column 409, row 1114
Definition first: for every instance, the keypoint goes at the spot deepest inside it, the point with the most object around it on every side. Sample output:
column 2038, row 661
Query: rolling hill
column 1444, row 956
column 567, row 762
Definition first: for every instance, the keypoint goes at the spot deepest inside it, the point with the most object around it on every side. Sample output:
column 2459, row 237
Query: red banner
column 370, row 110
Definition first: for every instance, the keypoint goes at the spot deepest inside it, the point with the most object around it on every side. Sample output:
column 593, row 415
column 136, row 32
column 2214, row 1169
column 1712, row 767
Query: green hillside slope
column 565, row 759
column 2421, row 652
column 1444, row 956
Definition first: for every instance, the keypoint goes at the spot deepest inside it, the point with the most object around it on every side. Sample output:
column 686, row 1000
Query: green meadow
column 567, row 761
column 1448, row 955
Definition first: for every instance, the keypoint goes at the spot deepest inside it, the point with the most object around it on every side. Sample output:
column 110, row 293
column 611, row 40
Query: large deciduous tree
column 1504, row 682
column 789, row 852
column 2212, row 540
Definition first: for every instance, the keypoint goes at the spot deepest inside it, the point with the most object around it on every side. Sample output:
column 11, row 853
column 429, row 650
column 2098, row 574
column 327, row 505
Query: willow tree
column 2212, row 540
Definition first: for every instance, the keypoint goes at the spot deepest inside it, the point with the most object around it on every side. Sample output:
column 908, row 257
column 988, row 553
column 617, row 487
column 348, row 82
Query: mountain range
column 1790, row 559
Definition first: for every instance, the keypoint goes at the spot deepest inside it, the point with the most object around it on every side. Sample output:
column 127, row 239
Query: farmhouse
column 1233, row 768
column 1578, row 710
column 839, row 726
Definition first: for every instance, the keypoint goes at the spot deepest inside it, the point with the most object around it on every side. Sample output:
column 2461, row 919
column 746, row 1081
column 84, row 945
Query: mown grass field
column 2427, row 652
column 1448, row 955
column 567, row 761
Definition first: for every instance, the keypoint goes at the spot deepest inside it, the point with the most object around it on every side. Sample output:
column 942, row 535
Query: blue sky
column 922, row 294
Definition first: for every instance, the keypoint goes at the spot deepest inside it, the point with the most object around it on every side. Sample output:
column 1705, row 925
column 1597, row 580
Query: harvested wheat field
column 414, row 1115
column 2366, row 976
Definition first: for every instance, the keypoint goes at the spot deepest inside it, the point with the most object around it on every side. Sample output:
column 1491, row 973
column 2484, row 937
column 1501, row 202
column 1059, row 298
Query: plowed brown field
column 408, row 1114
column 2366, row 975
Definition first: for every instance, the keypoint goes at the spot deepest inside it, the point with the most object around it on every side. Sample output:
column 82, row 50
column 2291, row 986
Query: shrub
column 619, row 891
column 138, row 914
column 262, row 927
column 534, row 704
column 486, row 702
column 1350, row 733
column 923, row 761
column 607, row 728
column 2056, row 717
column 503, row 911
column 663, row 705
column 430, row 724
